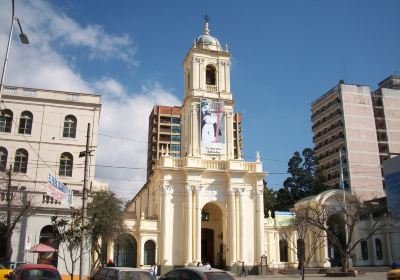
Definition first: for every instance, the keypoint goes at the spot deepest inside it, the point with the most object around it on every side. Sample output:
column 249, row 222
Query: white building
column 42, row 132
column 208, row 205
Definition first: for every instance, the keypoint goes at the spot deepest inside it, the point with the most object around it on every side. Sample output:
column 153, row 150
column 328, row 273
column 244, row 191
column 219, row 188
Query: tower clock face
column 212, row 126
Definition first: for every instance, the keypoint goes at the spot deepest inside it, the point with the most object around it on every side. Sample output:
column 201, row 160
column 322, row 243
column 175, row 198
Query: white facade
column 42, row 132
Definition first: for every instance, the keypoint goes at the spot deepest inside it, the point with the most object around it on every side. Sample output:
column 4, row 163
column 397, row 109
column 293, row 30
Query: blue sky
column 285, row 54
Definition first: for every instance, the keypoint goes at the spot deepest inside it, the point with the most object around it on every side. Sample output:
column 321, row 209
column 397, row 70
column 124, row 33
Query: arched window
column 379, row 252
column 21, row 161
column 3, row 159
column 69, row 127
column 66, row 164
column 48, row 237
column 25, row 123
column 210, row 75
column 301, row 249
column 149, row 252
column 6, row 117
column 364, row 250
column 283, row 250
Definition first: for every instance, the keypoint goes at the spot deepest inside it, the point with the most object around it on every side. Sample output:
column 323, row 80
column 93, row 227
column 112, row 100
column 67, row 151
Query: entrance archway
column 125, row 251
column 213, row 246
column 48, row 237
column 336, row 226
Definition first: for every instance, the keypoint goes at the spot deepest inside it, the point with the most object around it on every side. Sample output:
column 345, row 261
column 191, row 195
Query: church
column 207, row 205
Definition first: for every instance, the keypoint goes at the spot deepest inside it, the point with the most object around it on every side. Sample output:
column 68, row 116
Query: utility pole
column 84, row 204
column 8, row 222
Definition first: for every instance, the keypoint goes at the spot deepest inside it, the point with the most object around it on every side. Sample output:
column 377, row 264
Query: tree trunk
column 303, row 270
column 9, row 250
column 345, row 263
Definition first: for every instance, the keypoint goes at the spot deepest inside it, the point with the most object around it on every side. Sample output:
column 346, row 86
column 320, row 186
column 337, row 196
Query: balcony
column 211, row 88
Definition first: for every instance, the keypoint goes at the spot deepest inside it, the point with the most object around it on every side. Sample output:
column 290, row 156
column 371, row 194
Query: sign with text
column 28, row 241
column 59, row 191
column 212, row 126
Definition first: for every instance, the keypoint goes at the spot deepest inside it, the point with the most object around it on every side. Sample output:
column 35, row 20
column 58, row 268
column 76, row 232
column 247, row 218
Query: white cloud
column 42, row 64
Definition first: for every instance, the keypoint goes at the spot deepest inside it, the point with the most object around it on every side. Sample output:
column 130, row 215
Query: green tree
column 304, row 180
column 106, row 223
column 269, row 199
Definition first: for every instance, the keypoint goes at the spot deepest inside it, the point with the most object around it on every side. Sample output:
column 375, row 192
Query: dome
column 206, row 41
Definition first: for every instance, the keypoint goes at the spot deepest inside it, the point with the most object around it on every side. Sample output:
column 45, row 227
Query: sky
column 285, row 54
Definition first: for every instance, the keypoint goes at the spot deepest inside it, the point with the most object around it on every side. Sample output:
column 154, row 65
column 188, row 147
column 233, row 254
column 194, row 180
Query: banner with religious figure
column 212, row 126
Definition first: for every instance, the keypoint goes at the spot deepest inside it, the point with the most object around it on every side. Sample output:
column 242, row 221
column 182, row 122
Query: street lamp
column 24, row 40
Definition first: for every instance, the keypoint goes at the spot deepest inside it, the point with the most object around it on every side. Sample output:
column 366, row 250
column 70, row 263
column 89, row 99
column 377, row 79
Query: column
column 388, row 249
column 189, row 224
column 198, row 224
column 373, row 248
column 110, row 250
column 241, row 224
column 325, row 252
column 165, row 192
column 232, row 227
column 260, row 224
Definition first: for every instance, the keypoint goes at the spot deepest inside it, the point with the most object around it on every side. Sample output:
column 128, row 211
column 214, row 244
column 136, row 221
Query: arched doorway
column 336, row 227
column 48, row 237
column 213, row 246
column 149, row 252
column 125, row 251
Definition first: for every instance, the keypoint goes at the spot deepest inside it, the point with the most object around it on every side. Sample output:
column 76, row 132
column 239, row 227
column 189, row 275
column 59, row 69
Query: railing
column 211, row 88
column 213, row 164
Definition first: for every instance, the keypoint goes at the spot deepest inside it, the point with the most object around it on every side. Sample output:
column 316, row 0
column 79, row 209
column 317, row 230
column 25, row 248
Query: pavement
column 381, row 275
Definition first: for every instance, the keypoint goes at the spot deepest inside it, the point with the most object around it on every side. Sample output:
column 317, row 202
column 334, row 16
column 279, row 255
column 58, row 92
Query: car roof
column 200, row 269
column 37, row 266
column 120, row 268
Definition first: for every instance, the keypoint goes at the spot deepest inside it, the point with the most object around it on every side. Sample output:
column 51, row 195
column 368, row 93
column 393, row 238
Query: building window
column 149, row 253
column 176, row 138
column 3, row 159
column 66, row 164
column 175, row 120
column 176, row 129
column 25, row 123
column 283, row 250
column 210, row 75
column 69, row 127
column 175, row 147
column 378, row 245
column 301, row 249
column 6, row 117
column 21, row 161
column 364, row 250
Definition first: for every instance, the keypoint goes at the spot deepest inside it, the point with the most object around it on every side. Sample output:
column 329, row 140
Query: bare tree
column 68, row 231
column 14, row 205
column 350, row 213
column 304, row 247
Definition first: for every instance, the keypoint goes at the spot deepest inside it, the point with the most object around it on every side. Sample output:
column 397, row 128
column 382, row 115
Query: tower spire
column 206, row 29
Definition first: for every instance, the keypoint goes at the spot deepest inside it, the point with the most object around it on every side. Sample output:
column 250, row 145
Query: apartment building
column 164, row 133
column 42, row 133
column 365, row 126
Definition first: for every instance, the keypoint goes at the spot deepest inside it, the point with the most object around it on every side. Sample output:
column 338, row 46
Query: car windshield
column 40, row 274
column 1, row 266
column 134, row 275
column 217, row 275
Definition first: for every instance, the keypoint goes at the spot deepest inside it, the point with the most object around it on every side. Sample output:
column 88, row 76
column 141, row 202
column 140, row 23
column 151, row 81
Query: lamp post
column 24, row 40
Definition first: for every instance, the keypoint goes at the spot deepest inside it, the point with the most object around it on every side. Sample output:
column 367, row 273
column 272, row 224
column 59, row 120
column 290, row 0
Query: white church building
column 207, row 205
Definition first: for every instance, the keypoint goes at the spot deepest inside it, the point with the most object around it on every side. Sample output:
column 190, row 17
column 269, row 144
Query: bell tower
column 207, row 111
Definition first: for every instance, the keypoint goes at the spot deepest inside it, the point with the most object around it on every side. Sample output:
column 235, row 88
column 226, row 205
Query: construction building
column 365, row 126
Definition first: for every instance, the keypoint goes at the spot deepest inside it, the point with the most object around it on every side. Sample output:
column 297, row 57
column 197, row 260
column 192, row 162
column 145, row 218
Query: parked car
column 12, row 265
column 4, row 271
column 393, row 274
column 196, row 273
column 35, row 272
column 122, row 273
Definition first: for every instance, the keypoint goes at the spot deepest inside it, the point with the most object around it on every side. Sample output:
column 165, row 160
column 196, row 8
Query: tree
column 348, row 216
column 17, row 204
column 68, row 232
column 299, row 225
column 269, row 199
column 106, row 223
column 304, row 179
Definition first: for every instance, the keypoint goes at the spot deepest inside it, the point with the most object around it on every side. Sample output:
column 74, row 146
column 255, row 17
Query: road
column 366, row 276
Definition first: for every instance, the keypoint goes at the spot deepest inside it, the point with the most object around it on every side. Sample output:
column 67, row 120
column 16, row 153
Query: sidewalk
column 367, row 276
